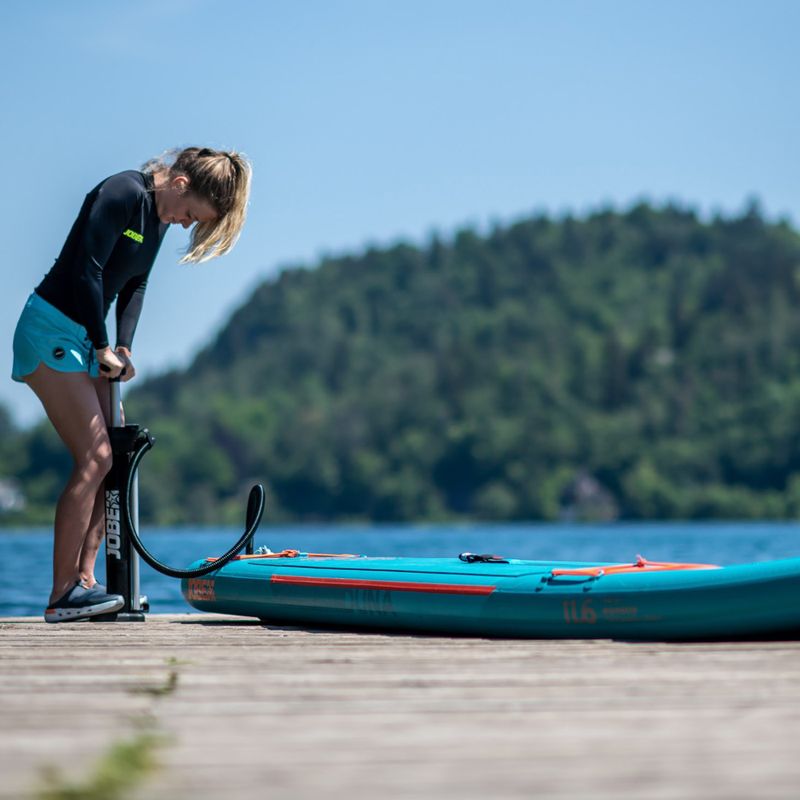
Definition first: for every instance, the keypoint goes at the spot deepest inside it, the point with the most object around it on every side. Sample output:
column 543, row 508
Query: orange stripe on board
column 639, row 566
column 391, row 586
column 286, row 554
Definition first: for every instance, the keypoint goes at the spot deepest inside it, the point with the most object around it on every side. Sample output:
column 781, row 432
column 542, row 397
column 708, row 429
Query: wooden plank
column 296, row 713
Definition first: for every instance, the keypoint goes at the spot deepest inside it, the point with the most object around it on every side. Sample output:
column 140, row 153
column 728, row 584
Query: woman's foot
column 82, row 603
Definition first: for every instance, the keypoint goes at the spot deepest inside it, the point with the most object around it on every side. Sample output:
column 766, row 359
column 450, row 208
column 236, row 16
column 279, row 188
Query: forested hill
column 642, row 364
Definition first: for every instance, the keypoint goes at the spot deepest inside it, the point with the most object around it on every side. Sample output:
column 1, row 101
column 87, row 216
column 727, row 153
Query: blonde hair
column 221, row 178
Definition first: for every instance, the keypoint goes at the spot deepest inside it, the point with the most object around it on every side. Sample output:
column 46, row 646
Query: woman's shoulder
column 130, row 181
column 122, row 192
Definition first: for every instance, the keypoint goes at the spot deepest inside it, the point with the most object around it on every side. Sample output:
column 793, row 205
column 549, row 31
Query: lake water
column 25, row 556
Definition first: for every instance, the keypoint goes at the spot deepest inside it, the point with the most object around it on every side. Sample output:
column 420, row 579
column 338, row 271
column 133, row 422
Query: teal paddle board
column 489, row 596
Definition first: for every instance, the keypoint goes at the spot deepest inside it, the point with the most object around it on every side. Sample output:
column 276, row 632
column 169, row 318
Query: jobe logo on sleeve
column 137, row 237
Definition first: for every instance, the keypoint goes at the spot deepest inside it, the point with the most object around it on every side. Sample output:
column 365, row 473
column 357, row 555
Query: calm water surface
column 25, row 556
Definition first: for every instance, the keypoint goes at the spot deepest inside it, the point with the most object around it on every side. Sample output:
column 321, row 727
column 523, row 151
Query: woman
column 61, row 343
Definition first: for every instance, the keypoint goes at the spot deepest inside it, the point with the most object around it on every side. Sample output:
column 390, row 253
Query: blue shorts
column 46, row 335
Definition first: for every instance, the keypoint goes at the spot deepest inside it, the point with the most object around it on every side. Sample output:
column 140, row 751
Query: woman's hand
column 111, row 365
column 125, row 355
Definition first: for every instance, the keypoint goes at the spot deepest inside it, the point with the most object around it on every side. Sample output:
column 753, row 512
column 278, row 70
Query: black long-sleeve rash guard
column 109, row 252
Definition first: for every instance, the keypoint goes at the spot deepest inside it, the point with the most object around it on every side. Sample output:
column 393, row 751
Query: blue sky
column 370, row 121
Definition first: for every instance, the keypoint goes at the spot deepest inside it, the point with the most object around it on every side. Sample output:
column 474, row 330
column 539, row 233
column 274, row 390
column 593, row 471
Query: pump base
column 120, row 616
column 130, row 616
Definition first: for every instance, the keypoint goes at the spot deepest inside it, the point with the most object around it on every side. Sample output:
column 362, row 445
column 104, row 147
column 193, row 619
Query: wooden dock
column 248, row 711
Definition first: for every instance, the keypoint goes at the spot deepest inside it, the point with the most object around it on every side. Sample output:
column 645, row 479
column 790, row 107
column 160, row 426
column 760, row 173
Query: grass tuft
column 125, row 765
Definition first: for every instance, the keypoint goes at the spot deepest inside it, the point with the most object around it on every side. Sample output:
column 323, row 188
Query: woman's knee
column 97, row 461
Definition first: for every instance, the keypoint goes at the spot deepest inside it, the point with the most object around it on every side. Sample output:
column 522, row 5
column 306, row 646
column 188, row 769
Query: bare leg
column 71, row 403
column 94, row 534
column 93, row 539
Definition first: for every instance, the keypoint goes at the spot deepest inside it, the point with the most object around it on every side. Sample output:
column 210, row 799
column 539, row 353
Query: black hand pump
column 129, row 443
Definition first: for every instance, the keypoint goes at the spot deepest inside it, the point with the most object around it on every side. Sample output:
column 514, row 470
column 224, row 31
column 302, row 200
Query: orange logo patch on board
column 201, row 589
